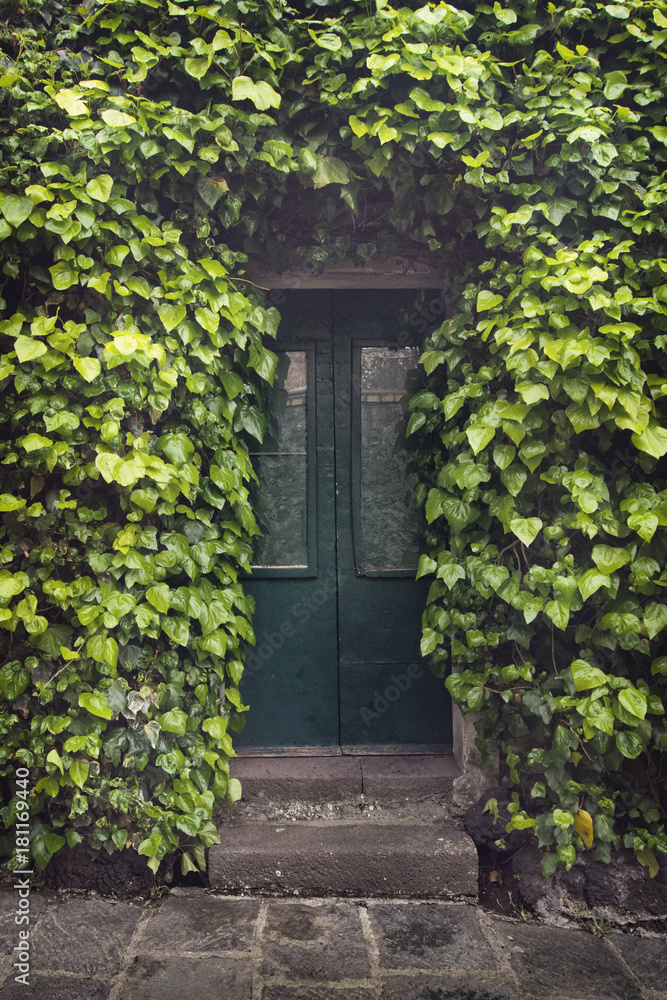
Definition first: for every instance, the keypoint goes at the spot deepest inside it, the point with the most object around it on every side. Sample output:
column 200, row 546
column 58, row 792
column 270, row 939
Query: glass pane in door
column 281, row 499
column 389, row 526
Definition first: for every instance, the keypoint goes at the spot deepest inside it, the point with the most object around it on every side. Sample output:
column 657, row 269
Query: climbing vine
column 147, row 149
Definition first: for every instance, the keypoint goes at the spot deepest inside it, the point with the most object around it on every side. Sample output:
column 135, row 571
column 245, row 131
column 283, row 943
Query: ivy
column 150, row 148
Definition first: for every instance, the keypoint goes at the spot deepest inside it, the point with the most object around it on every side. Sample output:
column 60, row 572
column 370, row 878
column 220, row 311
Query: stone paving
column 193, row 945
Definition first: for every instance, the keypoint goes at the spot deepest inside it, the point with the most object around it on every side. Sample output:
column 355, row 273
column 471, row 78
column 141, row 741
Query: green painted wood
column 337, row 658
column 291, row 680
column 387, row 693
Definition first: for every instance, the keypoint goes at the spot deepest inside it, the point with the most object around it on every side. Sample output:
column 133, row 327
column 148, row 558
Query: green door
column 337, row 667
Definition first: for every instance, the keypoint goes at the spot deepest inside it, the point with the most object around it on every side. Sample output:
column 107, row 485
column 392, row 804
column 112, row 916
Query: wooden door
column 337, row 667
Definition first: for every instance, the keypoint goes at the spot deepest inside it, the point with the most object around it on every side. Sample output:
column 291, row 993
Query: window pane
column 389, row 523
column 280, row 500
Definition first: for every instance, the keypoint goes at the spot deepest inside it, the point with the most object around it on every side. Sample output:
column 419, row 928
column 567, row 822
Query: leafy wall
column 147, row 148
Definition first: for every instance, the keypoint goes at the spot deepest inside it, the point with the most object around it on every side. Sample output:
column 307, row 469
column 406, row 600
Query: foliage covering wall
column 146, row 148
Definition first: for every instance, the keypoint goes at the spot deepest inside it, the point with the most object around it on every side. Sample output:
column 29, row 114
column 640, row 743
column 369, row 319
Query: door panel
column 338, row 617
column 387, row 693
column 291, row 678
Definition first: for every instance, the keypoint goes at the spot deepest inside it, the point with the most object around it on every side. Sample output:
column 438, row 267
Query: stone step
column 351, row 779
column 345, row 858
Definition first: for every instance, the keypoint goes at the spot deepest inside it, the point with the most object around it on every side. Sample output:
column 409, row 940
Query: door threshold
column 365, row 750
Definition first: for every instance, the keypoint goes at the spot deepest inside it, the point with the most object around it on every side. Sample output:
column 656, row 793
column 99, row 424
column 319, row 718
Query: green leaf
column 171, row 316
column 95, row 704
column 558, row 612
column 590, row 582
column 88, row 368
column 178, row 629
column 63, row 276
column 116, row 119
column 586, row 676
column 9, row 502
column 633, row 701
column 174, row 721
column 160, row 597
column 16, row 209
column 28, row 349
column 652, row 440
column 513, row 479
column 215, row 727
column 614, row 85
column 526, row 528
column 330, row 170
column 261, row 94
column 99, row 188
column 78, row 772
column 215, row 643
column 249, row 418
column 14, row 679
column 655, row 619
column 458, row 513
column 479, row 437
column 488, row 300
column 608, row 559
column 629, row 744
column 450, row 573
column 503, row 455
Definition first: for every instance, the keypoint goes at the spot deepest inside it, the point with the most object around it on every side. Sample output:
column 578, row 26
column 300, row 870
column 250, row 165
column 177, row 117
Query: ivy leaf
column 16, row 209
column 178, row 629
column 249, row 418
column 88, row 368
column 99, row 188
column 94, row 704
column 590, row 582
column 608, row 559
column 450, row 573
column 174, row 721
column 583, row 825
column 586, row 676
column 513, row 479
column 261, row 94
column 488, row 300
column 78, row 772
column 526, row 528
column 558, row 612
column 479, row 437
column 28, row 349
column 633, row 701
column 615, row 84
column 655, row 619
column 629, row 744
column 652, row 440
column 171, row 315
column 14, row 679
column 330, row 170
column 159, row 596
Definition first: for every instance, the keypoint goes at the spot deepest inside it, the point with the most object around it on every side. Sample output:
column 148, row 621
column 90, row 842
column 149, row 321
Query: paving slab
column 9, row 929
column 340, row 858
column 179, row 978
column 309, row 779
column 552, row 962
column 301, row 941
column 646, row 957
column 318, row 992
column 54, row 987
column 200, row 923
column 440, row 988
column 430, row 936
column 84, row 936
column 390, row 779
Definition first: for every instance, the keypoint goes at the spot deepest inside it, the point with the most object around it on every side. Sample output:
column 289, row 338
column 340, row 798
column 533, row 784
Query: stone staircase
column 368, row 826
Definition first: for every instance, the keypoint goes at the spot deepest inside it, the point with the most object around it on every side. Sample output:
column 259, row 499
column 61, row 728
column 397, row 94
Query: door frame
column 387, row 273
